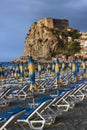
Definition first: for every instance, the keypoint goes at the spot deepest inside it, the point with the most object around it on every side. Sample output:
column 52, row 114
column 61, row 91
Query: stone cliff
column 46, row 36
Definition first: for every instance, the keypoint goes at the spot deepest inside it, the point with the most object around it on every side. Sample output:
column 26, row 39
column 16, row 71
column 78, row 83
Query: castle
column 54, row 23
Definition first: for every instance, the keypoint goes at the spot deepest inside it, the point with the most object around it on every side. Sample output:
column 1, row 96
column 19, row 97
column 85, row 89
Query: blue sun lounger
column 22, row 92
column 9, row 117
column 72, row 95
column 4, row 96
column 36, row 117
column 75, row 94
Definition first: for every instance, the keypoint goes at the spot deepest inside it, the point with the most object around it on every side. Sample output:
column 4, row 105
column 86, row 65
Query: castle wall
column 54, row 23
column 49, row 22
column 60, row 23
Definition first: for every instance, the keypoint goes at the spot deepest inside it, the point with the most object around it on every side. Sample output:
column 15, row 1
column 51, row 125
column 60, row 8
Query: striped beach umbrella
column 49, row 67
column 70, row 66
column 84, row 67
column 42, row 69
column 74, row 69
column 57, row 71
column 1, row 72
column 53, row 67
column 31, row 67
column 26, row 71
column 63, row 66
column 39, row 68
column 17, row 71
column 21, row 67
column 13, row 71
column 77, row 67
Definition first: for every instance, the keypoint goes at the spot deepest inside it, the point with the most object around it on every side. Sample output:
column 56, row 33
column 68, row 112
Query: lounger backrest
column 6, row 92
column 25, row 86
column 9, row 113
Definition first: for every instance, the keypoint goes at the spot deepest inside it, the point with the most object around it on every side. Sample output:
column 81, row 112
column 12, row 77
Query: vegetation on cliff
column 46, row 38
column 43, row 41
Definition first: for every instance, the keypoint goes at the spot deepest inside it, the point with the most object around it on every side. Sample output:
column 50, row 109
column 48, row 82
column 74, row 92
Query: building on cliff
column 46, row 36
column 54, row 23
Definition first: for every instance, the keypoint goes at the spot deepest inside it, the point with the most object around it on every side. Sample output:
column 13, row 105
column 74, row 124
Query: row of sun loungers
column 45, row 110
column 10, row 94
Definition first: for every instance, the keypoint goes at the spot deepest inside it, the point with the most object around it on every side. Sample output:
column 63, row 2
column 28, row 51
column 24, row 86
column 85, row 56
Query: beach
column 74, row 119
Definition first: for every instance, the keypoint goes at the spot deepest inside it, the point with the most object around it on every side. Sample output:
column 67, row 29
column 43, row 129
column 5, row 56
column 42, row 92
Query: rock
column 45, row 37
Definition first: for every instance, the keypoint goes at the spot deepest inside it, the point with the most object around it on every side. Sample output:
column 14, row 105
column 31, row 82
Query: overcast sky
column 16, row 17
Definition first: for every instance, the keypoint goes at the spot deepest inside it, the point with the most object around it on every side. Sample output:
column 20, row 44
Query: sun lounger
column 9, row 117
column 50, row 85
column 41, row 86
column 66, row 79
column 78, row 94
column 47, row 85
column 5, row 95
column 75, row 94
column 22, row 92
column 36, row 118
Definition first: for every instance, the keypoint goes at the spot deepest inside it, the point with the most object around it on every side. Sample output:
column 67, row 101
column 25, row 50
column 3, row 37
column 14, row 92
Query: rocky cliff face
column 46, row 36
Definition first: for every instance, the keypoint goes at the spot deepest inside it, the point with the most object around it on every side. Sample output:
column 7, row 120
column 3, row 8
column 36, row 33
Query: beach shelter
column 21, row 67
column 57, row 71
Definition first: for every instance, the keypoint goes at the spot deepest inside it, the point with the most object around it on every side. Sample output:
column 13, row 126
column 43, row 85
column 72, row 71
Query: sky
column 16, row 17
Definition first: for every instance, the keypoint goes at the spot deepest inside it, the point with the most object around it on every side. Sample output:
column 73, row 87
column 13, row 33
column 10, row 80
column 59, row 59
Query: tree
column 75, row 34
column 74, row 47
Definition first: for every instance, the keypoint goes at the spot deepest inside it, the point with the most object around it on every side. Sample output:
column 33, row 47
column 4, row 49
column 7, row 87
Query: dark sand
column 75, row 119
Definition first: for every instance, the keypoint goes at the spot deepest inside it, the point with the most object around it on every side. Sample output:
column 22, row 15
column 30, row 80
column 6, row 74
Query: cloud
column 16, row 17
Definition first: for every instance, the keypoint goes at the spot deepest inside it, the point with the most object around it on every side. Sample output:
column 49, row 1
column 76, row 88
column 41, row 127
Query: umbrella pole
column 33, row 99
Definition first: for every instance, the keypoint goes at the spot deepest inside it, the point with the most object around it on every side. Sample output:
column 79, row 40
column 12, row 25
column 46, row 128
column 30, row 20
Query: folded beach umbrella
column 74, row 69
column 84, row 67
column 53, row 67
column 49, row 67
column 42, row 69
column 70, row 66
column 1, row 72
column 63, row 67
column 13, row 71
column 57, row 71
column 39, row 68
column 26, row 71
column 17, row 71
column 33, row 85
column 21, row 67
column 77, row 67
